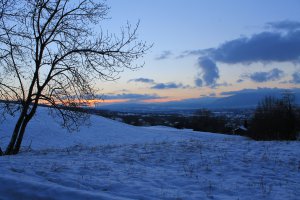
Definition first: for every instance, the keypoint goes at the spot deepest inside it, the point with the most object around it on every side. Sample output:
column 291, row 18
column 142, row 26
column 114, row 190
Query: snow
column 243, row 128
column 112, row 160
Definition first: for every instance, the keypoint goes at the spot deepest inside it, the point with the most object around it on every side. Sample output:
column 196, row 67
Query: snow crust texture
column 111, row 160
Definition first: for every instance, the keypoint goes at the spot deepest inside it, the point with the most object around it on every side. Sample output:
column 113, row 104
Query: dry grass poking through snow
column 191, row 169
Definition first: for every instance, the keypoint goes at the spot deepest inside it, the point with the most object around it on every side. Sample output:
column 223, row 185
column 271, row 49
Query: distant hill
column 247, row 98
column 250, row 98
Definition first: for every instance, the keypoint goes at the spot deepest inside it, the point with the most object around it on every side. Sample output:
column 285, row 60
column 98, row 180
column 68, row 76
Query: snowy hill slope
column 111, row 160
column 44, row 132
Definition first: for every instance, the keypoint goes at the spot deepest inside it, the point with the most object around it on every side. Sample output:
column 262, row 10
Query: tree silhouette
column 51, row 52
column 275, row 119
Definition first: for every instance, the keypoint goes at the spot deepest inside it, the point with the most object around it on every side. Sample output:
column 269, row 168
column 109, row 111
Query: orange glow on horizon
column 91, row 102
column 161, row 100
column 114, row 100
column 94, row 102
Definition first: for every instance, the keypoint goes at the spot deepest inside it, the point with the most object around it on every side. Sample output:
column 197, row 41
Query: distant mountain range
column 247, row 98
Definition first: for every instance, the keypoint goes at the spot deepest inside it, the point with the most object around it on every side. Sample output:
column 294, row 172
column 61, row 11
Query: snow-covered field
column 111, row 160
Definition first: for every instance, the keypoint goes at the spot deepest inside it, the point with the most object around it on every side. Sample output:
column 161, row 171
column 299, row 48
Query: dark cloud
column 296, row 78
column 131, row 96
column 198, row 82
column 284, row 25
column 142, row 80
column 209, row 72
column 163, row 86
column 160, row 86
column 263, row 47
column 240, row 81
column 272, row 75
column 164, row 55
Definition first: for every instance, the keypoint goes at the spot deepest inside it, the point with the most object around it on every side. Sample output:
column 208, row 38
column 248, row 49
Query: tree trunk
column 11, row 145
column 20, row 135
column 17, row 137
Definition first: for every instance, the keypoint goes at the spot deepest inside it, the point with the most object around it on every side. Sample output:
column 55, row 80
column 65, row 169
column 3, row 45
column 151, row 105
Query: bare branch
column 52, row 52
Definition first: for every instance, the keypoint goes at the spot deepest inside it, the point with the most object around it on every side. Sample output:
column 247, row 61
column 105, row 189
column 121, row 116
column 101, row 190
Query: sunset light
column 150, row 99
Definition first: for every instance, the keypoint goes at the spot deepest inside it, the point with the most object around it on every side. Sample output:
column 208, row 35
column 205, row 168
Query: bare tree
column 275, row 119
column 51, row 53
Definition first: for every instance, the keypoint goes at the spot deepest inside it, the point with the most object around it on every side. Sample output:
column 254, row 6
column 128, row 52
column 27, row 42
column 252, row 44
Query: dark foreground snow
column 111, row 160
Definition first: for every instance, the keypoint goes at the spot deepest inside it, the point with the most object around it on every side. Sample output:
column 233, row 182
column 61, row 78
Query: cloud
column 284, row 25
column 198, row 82
column 263, row 47
column 272, row 75
column 171, row 85
column 240, row 81
column 160, row 86
column 279, row 45
column 142, row 80
column 131, row 96
column 296, row 78
column 224, row 84
column 191, row 53
column 164, row 55
column 209, row 72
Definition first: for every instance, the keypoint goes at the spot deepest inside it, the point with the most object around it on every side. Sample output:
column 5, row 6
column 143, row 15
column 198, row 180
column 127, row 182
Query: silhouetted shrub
column 274, row 119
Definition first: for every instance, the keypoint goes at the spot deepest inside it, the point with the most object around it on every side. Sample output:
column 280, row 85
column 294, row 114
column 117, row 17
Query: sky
column 208, row 47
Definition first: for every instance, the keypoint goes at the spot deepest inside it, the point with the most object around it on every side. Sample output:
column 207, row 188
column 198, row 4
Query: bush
column 274, row 119
column 205, row 120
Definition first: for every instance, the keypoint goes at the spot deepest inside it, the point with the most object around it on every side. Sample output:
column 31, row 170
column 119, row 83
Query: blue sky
column 208, row 47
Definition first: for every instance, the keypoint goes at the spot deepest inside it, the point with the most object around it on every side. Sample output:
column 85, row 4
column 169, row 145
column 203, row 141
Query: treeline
column 273, row 119
column 205, row 120
column 201, row 120
column 276, row 119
